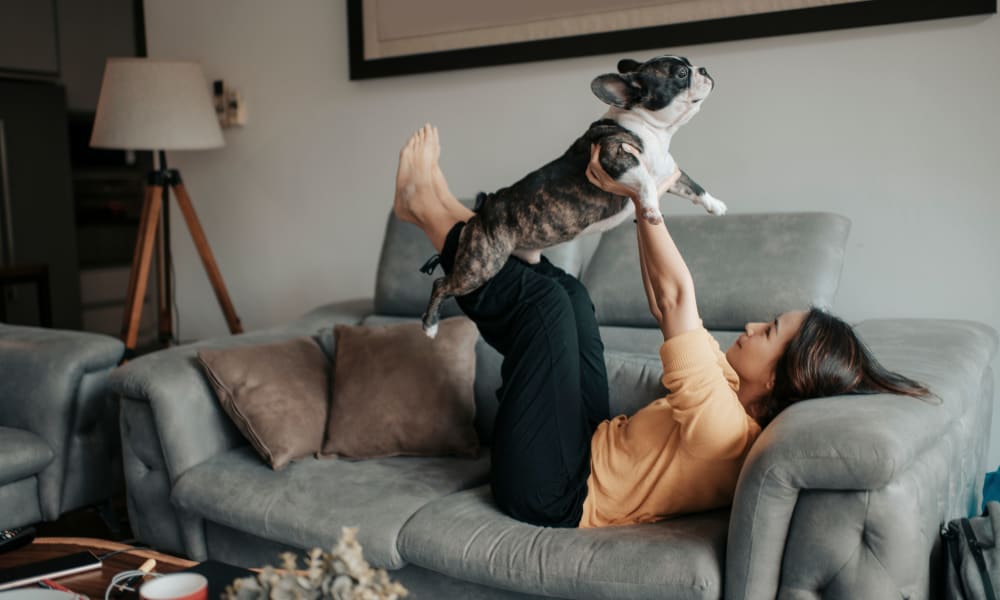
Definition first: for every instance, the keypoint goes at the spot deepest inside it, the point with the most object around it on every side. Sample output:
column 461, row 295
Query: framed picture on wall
column 396, row 37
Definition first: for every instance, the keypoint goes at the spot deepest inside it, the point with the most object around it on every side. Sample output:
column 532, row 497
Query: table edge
column 113, row 546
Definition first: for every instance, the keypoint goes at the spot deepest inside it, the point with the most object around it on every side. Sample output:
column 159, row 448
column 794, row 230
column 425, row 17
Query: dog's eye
column 681, row 73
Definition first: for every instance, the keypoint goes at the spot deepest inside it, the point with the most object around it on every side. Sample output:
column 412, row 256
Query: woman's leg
column 593, row 373
column 541, row 442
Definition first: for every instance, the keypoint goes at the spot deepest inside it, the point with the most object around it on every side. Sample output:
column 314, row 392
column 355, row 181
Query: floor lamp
column 160, row 105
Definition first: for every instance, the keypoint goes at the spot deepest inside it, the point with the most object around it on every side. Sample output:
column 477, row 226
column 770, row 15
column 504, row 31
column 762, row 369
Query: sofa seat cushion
column 22, row 454
column 306, row 504
column 464, row 535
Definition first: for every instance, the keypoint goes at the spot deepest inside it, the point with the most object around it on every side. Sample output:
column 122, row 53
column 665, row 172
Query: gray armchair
column 59, row 442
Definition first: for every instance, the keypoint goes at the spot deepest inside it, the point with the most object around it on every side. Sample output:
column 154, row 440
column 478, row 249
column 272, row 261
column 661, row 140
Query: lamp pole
column 164, row 271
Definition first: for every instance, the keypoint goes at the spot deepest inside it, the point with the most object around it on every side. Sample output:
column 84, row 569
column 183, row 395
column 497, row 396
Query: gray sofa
column 839, row 498
column 59, row 435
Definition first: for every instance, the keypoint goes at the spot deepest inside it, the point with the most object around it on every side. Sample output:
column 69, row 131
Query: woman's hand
column 665, row 276
column 599, row 177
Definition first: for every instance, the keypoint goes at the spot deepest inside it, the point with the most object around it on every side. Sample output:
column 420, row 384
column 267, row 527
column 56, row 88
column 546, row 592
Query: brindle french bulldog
column 648, row 102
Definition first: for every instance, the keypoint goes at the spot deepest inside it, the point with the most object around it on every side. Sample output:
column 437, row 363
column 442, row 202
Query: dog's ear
column 623, row 91
column 627, row 65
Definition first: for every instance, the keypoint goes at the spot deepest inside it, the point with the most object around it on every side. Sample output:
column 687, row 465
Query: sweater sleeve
column 713, row 423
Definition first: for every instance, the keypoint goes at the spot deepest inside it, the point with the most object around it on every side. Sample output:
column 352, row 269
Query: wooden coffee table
column 92, row 583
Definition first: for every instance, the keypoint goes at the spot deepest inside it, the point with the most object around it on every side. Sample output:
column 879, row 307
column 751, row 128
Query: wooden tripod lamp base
column 157, row 192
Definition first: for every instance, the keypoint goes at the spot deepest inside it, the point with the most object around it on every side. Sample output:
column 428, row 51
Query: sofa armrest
column 876, row 445
column 152, row 518
column 52, row 381
column 190, row 424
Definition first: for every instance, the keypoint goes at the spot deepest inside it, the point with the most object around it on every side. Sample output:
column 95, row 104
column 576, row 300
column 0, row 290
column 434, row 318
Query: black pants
column 555, row 386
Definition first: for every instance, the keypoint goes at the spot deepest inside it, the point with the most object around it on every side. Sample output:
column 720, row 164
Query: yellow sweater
column 678, row 454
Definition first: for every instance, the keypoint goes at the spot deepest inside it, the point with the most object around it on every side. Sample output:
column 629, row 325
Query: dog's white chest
column 656, row 155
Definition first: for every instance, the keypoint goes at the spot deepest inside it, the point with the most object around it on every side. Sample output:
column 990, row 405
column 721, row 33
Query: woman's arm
column 647, row 287
column 666, row 278
column 669, row 279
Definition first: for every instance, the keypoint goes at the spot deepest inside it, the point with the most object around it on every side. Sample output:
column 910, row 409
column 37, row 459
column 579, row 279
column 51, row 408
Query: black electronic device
column 51, row 568
column 11, row 539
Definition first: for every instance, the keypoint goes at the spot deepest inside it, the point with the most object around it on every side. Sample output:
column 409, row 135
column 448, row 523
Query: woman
column 557, row 458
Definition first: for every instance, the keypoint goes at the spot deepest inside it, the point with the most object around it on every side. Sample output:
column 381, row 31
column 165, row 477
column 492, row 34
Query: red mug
column 175, row 586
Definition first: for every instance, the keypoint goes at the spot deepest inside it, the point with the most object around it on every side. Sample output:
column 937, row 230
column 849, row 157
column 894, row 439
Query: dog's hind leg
column 433, row 313
column 478, row 258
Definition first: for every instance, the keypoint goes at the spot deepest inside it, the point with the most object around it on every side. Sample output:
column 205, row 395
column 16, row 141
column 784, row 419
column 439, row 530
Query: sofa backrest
column 745, row 267
column 748, row 267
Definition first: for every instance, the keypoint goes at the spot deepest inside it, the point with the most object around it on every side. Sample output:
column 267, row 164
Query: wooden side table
column 92, row 583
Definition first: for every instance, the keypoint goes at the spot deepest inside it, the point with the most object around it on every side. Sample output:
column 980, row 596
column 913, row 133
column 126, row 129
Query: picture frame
column 816, row 15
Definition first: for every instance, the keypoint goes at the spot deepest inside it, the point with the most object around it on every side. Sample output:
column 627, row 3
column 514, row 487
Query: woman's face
column 755, row 353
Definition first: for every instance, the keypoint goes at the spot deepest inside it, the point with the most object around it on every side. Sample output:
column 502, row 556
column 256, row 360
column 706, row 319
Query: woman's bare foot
column 447, row 199
column 416, row 199
column 456, row 209
column 440, row 183
column 415, row 186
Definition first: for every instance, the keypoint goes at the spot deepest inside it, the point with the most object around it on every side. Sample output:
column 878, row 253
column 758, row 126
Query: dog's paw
column 652, row 215
column 429, row 329
column 713, row 205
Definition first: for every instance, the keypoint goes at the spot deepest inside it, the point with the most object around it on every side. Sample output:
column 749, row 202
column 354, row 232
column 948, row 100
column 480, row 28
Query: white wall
column 894, row 126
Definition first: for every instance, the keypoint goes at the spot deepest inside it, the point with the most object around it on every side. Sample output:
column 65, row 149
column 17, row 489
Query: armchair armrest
column 51, row 381
column 915, row 464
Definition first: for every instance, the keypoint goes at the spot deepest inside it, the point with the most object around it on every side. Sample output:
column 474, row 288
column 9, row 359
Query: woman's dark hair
column 826, row 358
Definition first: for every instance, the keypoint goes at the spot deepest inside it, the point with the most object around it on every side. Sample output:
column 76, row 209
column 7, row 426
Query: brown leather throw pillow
column 398, row 392
column 276, row 394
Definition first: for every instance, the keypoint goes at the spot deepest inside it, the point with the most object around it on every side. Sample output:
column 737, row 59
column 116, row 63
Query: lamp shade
column 150, row 104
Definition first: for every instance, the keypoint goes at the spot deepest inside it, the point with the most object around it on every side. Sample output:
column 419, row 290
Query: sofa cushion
column 275, row 393
column 401, row 289
column 634, row 380
column 397, row 392
column 486, row 384
column 22, row 454
column 306, row 504
column 464, row 535
column 745, row 267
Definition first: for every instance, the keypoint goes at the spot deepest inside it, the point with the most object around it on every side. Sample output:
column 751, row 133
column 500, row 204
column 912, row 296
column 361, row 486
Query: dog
column 648, row 102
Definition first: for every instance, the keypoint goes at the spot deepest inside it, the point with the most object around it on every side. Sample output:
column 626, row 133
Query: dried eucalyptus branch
column 342, row 574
